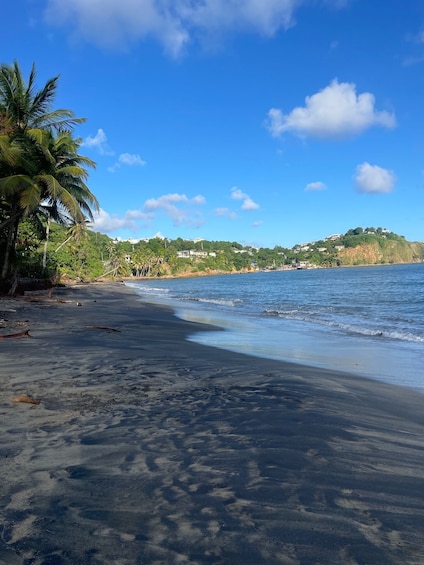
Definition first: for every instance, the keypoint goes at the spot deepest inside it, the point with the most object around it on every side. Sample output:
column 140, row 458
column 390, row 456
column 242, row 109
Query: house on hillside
column 191, row 253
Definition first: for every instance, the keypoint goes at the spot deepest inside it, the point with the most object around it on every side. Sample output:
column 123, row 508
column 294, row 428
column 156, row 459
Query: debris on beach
column 23, row 333
column 25, row 399
column 105, row 328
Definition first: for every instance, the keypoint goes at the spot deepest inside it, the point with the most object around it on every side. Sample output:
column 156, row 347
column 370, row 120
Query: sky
column 266, row 122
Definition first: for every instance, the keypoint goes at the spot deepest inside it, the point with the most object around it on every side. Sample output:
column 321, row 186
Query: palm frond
column 29, row 198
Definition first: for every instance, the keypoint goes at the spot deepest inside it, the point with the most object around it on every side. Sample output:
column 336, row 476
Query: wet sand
column 148, row 449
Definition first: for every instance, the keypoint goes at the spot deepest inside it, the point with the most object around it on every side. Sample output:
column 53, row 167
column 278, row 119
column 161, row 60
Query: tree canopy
column 42, row 174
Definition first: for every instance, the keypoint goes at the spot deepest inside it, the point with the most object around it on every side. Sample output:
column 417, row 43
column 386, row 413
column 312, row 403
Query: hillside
column 75, row 255
column 376, row 254
column 373, row 249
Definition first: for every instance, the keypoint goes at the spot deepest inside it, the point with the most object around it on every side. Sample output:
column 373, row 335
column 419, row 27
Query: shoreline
column 148, row 448
column 375, row 349
column 187, row 275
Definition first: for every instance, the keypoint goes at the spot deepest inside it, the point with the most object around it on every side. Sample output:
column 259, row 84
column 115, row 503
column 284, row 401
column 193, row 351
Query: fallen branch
column 23, row 333
column 102, row 328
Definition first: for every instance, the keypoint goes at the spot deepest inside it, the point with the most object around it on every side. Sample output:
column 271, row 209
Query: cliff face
column 377, row 253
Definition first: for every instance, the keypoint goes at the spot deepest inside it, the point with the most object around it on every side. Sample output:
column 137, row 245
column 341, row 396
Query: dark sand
column 146, row 448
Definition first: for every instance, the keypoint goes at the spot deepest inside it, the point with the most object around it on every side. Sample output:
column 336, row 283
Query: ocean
column 367, row 321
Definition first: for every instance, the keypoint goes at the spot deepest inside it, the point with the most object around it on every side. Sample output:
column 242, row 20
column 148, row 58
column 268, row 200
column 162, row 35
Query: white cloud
column 225, row 212
column 315, row 186
column 237, row 194
column 131, row 160
column 257, row 224
column 178, row 207
column 95, row 141
column 105, row 222
column 374, row 179
column 263, row 16
column 98, row 142
column 248, row 203
column 173, row 23
column 334, row 112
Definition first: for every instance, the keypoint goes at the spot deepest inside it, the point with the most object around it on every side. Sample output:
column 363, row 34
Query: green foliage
column 100, row 255
column 42, row 176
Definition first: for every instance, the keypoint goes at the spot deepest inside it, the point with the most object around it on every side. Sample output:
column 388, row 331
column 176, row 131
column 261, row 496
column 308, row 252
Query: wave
column 301, row 314
column 218, row 301
column 356, row 329
column 141, row 289
column 385, row 334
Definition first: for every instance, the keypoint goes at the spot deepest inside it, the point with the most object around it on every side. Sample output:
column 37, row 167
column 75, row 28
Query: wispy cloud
column 417, row 41
column 417, row 38
column 178, row 207
column 411, row 61
column 127, row 159
column 132, row 220
column 247, row 202
column 315, row 186
column 374, row 179
column 337, row 111
column 116, row 24
column 98, row 142
column 225, row 212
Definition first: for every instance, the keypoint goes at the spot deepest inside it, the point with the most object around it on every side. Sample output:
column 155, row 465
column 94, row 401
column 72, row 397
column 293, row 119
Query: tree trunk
column 46, row 243
column 12, row 232
column 64, row 243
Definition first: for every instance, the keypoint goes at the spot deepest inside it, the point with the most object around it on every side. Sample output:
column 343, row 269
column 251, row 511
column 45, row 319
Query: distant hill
column 359, row 246
column 374, row 254
column 379, row 248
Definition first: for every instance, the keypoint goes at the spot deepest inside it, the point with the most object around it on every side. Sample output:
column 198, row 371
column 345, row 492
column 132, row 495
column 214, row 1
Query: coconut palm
column 40, row 168
column 58, row 191
column 55, row 188
column 77, row 231
column 23, row 108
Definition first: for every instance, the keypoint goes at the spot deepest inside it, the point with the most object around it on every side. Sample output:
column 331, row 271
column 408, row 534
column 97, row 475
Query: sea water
column 364, row 320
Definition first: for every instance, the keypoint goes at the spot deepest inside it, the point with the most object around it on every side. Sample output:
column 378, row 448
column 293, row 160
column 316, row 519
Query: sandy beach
column 143, row 448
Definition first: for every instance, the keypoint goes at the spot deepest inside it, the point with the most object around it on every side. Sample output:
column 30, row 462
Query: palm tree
column 65, row 196
column 76, row 231
column 22, row 107
column 40, row 168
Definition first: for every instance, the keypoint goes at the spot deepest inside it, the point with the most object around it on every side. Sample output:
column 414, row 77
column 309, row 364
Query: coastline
column 148, row 448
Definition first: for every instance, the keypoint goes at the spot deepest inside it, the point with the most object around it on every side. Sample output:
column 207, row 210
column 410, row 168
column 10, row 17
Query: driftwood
column 102, row 328
column 23, row 333
column 25, row 399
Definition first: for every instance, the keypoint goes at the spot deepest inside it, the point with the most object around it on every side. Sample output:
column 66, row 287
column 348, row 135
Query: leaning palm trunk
column 67, row 240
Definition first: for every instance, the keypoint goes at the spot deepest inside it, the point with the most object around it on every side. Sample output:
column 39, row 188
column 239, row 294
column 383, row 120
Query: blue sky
column 267, row 122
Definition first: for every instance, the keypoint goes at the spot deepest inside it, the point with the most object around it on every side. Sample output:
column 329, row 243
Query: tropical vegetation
column 74, row 253
column 42, row 175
